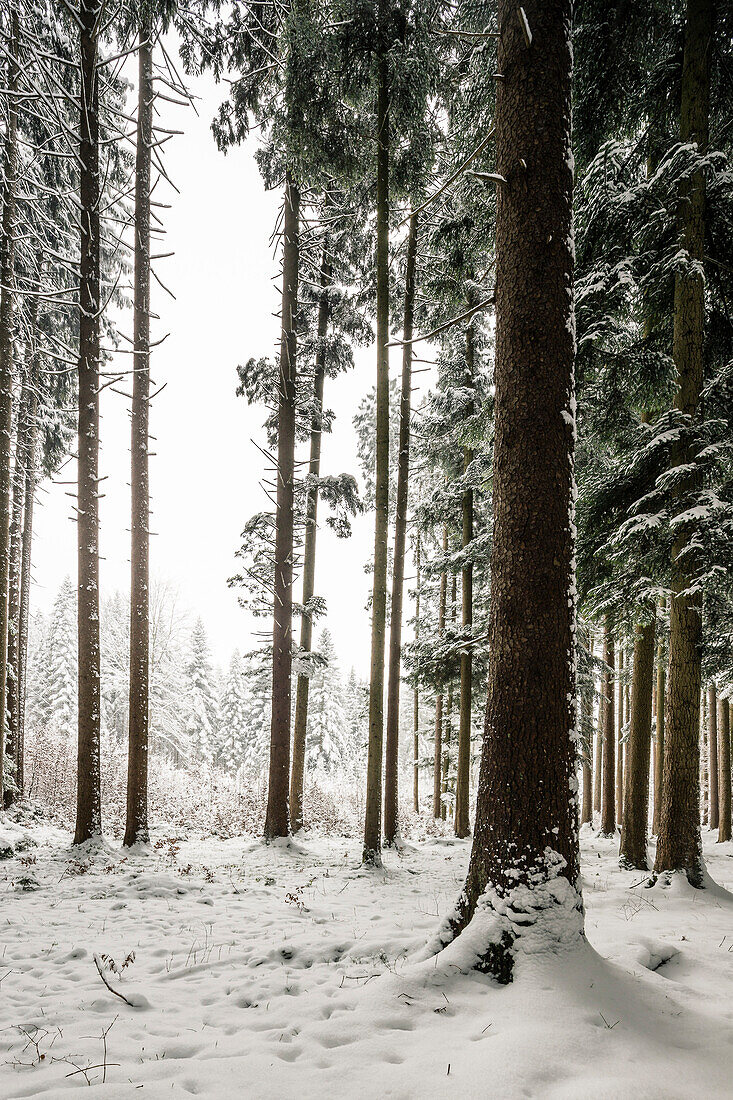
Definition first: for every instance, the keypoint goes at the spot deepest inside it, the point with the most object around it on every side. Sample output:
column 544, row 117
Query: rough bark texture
column 277, row 818
column 462, row 823
column 608, row 793
column 7, row 320
column 526, row 831
column 373, row 801
column 297, row 775
column 724, row 778
column 88, row 798
column 636, row 800
column 659, row 739
column 680, row 846
column 136, row 826
column 713, row 816
column 398, row 563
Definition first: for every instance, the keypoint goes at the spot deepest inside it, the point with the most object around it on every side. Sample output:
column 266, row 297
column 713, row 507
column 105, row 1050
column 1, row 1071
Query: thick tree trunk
column 88, row 799
column 277, row 819
column 373, row 801
column 416, row 694
column 438, row 753
column 659, row 739
column 297, row 775
column 680, row 845
column 713, row 816
column 136, row 827
column 527, row 779
column 636, row 802
column 398, row 565
column 608, row 794
column 724, row 777
column 586, row 703
column 7, row 322
column 462, row 822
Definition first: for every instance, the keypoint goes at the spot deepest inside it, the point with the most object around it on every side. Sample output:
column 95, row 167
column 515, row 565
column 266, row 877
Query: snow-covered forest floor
column 286, row 972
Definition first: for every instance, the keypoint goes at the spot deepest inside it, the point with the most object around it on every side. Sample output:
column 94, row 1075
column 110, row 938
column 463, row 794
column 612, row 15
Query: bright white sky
column 206, row 471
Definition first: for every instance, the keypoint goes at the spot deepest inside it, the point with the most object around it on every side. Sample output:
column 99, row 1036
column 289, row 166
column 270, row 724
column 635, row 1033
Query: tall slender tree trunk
column 704, row 779
column 277, row 818
column 297, row 775
column 608, row 794
column 88, row 798
column 373, row 800
column 416, row 693
column 7, row 336
column 680, row 845
column 391, row 768
column 25, row 579
column 598, row 763
column 636, row 802
column 438, row 754
column 659, row 739
column 619, row 738
column 15, row 564
column 724, row 776
column 586, row 705
column 136, row 826
column 713, row 754
column 527, row 779
column 462, row 822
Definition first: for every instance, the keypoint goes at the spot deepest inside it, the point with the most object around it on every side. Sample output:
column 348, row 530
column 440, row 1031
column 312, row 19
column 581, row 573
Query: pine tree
column 58, row 707
column 202, row 708
column 326, row 745
column 235, row 709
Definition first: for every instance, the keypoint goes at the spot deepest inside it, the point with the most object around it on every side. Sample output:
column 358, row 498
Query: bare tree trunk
column 462, row 822
column 659, row 739
column 636, row 802
column 391, row 768
column 25, row 578
column 598, row 778
column 277, row 819
column 527, row 779
column 586, row 704
column 7, row 324
column 724, row 778
column 136, row 826
column 608, row 796
column 680, row 845
column 416, row 696
column 713, row 754
column 438, row 755
column 373, row 801
column 619, row 738
column 297, row 775
column 22, row 436
column 88, row 797
column 704, row 781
